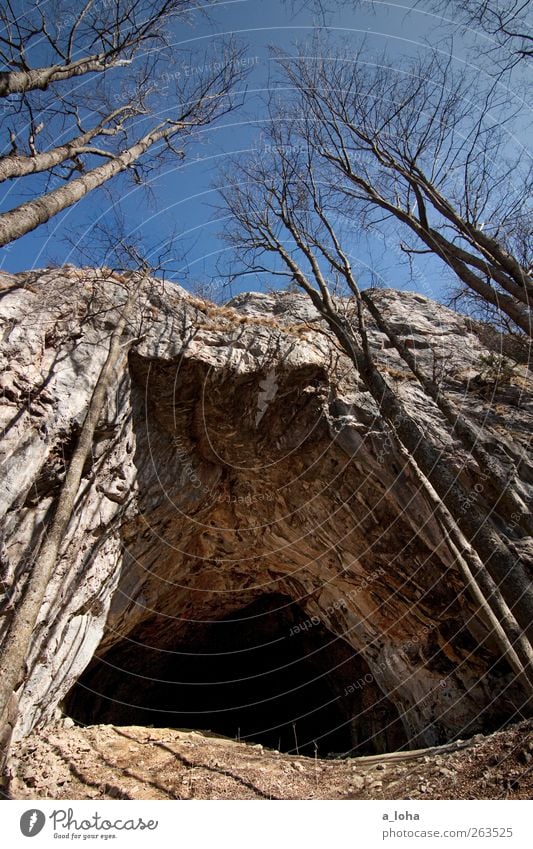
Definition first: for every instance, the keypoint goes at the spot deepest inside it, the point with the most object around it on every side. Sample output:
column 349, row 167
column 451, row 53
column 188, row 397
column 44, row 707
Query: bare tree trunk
column 26, row 217
column 509, row 501
column 505, row 568
column 514, row 304
column 13, row 660
column 453, row 257
column 504, row 268
column 20, row 166
column 17, row 82
column 506, row 303
column 512, row 640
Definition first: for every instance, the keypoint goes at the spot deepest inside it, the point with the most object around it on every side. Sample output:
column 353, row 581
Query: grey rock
column 238, row 451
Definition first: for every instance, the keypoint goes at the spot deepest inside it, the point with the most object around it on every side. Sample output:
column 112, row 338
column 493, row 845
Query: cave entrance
column 267, row 674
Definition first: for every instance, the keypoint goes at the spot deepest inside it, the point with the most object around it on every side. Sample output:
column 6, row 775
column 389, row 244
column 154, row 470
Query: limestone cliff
column 242, row 475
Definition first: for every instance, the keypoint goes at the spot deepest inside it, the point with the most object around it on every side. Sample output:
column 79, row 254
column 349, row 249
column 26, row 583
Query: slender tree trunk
column 506, row 303
column 14, row 658
column 512, row 640
column 509, row 502
column 26, row 217
column 513, row 305
column 504, row 567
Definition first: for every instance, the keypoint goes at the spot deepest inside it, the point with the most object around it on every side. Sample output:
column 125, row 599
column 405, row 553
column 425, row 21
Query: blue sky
column 183, row 194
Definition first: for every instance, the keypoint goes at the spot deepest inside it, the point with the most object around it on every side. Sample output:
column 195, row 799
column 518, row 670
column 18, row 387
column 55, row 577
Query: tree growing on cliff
column 14, row 658
column 100, row 78
column 280, row 211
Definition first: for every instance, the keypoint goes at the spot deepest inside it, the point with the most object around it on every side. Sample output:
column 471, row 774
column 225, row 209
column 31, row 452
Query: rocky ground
column 110, row 762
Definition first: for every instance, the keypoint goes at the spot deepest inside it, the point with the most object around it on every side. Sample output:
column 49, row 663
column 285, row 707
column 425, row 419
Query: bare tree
column 26, row 217
column 408, row 147
column 280, row 213
column 126, row 117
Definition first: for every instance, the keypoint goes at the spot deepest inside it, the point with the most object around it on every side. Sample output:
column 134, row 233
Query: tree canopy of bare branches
column 74, row 39
column 410, row 145
column 90, row 91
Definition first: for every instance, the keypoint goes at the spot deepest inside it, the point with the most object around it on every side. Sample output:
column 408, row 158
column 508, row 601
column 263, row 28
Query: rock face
column 244, row 491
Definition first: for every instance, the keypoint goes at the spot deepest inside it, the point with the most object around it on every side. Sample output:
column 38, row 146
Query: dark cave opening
column 268, row 673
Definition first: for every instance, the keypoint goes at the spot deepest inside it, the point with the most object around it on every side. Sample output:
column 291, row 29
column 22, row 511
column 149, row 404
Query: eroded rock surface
column 240, row 458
